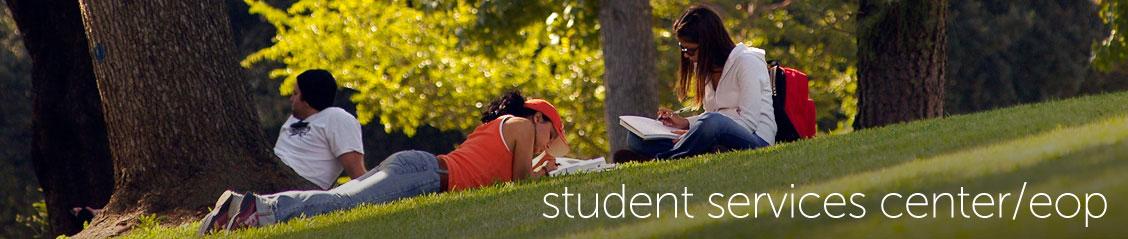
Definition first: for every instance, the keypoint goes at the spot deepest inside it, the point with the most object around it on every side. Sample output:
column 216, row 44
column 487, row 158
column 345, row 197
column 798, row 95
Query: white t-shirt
column 312, row 151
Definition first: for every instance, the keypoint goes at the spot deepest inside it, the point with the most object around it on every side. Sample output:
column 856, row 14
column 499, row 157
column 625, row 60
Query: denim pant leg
column 711, row 130
column 403, row 174
column 649, row 148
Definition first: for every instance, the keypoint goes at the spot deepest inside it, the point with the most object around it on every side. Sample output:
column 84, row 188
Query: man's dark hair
column 318, row 88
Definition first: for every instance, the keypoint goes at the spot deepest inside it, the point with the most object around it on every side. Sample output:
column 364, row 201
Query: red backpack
column 794, row 109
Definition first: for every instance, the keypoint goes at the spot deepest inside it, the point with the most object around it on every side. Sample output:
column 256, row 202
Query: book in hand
column 574, row 166
column 647, row 128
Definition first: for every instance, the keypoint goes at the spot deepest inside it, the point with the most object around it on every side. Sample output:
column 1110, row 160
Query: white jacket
column 744, row 92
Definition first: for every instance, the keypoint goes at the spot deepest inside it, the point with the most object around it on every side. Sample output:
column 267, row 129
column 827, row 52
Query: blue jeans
column 403, row 174
column 707, row 133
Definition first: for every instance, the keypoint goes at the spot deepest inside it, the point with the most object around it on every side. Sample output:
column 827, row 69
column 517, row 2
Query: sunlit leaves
column 1113, row 50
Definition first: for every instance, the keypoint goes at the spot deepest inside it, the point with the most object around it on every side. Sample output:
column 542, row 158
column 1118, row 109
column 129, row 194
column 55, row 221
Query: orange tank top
column 482, row 159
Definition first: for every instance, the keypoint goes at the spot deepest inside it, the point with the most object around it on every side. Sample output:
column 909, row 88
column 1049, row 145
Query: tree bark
column 902, row 52
column 629, row 62
column 178, row 113
column 69, row 152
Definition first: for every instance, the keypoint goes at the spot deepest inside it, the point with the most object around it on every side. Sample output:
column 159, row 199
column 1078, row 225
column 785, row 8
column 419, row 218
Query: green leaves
column 1113, row 50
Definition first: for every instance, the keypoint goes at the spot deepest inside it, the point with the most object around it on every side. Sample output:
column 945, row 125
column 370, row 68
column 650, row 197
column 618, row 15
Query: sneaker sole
column 243, row 206
column 223, row 205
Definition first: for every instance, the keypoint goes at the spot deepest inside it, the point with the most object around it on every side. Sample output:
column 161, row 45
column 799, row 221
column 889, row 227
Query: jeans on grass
column 403, row 174
column 705, row 134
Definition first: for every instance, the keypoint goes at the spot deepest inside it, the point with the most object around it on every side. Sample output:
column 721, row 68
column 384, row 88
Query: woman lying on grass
column 513, row 132
column 729, row 80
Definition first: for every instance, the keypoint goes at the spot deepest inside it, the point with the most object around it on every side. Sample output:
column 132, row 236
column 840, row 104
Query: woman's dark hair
column 318, row 88
column 511, row 103
column 701, row 25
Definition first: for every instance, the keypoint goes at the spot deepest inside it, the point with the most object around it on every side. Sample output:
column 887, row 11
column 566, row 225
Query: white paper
column 574, row 166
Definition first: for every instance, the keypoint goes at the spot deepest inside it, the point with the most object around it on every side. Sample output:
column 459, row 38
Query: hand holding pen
column 673, row 118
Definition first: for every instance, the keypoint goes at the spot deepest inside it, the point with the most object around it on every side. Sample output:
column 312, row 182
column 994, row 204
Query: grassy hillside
column 1077, row 145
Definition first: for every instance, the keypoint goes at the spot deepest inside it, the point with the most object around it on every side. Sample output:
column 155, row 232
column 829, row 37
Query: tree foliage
column 1005, row 52
column 1113, row 51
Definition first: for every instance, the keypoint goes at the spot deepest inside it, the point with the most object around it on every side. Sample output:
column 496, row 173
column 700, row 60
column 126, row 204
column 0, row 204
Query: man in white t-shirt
column 319, row 141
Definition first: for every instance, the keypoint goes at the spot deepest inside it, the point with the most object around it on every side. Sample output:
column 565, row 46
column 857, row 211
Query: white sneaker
column 247, row 214
column 225, row 208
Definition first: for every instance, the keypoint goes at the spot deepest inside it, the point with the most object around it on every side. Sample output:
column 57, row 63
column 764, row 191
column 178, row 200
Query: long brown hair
column 701, row 25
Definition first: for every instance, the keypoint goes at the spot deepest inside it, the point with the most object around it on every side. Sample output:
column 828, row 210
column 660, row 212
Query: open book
column 647, row 128
column 574, row 166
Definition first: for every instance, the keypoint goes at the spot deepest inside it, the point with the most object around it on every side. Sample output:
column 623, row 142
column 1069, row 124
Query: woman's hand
column 548, row 164
column 543, row 172
column 668, row 118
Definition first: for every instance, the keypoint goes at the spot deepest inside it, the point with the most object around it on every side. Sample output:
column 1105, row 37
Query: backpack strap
column 773, row 71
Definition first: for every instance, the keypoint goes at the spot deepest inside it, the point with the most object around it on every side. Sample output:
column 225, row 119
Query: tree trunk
column 178, row 113
column 70, row 153
column 629, row 61
column 902, row 52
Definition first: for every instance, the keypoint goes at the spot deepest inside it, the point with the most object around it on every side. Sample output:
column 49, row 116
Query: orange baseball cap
column 558, row 147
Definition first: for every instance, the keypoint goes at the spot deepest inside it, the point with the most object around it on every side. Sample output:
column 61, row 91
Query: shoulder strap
column 773, row 72
column 501, row 130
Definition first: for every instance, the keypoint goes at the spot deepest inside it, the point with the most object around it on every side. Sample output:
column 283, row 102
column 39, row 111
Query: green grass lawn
column 1077, row 145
